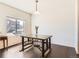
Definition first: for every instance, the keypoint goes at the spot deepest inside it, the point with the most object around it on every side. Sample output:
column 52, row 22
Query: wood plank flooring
column 57, row 52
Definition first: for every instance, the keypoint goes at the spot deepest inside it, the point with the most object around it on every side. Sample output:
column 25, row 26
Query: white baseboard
column 63, row 45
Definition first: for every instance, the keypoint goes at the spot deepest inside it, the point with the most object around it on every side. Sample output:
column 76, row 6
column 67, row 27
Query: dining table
column 45, row 42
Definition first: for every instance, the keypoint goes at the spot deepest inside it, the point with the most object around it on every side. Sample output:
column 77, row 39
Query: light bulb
column 37, row 13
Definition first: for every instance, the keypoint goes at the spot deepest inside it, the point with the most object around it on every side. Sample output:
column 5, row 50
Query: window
column 19, row 27
column 15, row 25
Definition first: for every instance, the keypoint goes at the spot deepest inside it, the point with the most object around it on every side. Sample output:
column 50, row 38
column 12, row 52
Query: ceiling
column 25, row 5
column 29, row 5
column 44, row 6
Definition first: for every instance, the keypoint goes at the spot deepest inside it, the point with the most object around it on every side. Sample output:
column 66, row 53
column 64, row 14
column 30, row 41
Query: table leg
column 4, row 43
column 32, row 40
column 28, row 39
column 22, row 43
column 46, row 44
column 49, row 43
column 42, row 48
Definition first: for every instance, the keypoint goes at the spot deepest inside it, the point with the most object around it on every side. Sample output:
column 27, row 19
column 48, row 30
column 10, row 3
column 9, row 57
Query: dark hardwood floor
column 57, row 52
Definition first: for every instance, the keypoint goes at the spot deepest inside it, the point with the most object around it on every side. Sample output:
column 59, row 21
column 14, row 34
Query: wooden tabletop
column 2, row 37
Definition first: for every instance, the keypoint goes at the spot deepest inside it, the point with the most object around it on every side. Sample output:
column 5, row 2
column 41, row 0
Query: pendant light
column 37, row 12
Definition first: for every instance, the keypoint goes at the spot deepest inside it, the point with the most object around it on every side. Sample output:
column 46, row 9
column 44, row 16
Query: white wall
column 57, row 18
column 76, row 26
column 6, row 10
column 77, row 45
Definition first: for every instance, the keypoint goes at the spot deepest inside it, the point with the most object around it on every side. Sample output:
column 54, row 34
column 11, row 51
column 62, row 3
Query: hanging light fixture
column 37, row 12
